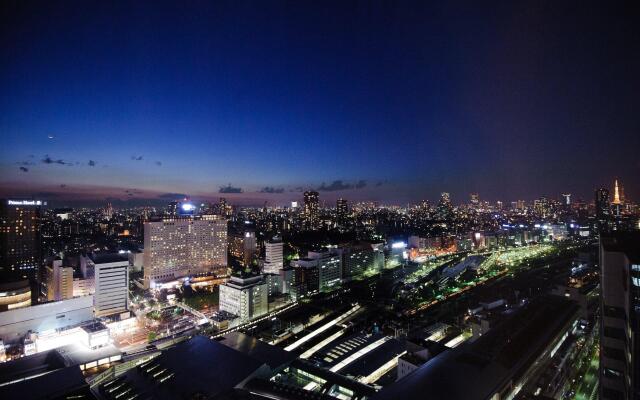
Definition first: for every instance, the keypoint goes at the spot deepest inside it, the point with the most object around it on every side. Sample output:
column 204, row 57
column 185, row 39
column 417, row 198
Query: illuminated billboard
column 25, row 202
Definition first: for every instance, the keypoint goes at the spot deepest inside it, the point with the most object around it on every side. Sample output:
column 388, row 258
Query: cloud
column 159, row 163
column 24, row 169
column 334, row 186
column 379, row 184
column 230, row 189
column 25, row 163
column 341, row 185
column 63, row 185
column 91, row 163
column 49, row 160
column 136, row 158
column 269, row 189
column 172, row 196
column 360, row 184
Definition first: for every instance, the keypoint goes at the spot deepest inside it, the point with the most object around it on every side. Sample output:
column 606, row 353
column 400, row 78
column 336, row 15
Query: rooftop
column 107, row 258
column 491, row 361
column 623, row 242
column 273, row 356
column 197, row 368
column 95, row 326
column 28, row 366
column 64, row 383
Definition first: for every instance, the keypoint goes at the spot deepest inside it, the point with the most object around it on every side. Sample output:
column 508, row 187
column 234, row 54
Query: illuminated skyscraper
column 603, row 208
column 108, row 211
column 20, row 255
column 444, row 209
column 474, row 200
column 541, row 207
column 567, row 199
column 342, row 209
column 224, row 209
column 178, row 247
column 311, row 206
column 243, row 246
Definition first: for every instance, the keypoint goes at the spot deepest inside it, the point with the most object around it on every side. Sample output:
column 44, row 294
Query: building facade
column 20, row 255
column 361, row 257
column 311, row 209
column 620, row 323
column 245, row 296
column 243, row 247
column 329, row 269
column 111, row 286
column 179, row 247
column 273, row 255
column 16, row 294
column 17, row 323
column 58, row 281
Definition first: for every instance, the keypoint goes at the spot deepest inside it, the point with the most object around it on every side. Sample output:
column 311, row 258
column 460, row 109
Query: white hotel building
column 181, row 246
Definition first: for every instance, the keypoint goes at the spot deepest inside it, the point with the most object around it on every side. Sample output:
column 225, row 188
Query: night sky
column 393, row 102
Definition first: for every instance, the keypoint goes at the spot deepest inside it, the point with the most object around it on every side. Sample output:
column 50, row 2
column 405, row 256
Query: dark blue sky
column 511, row 100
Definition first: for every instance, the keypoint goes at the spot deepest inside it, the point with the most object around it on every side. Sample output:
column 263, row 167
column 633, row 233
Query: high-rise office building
column 245, row 296
column 474, row 200
column 111, row 277
column 620, row 324
column 342, row 209
column 329, row 266
column 542, row 207
column 178, row 247
column 223, row 208
column 273, row 255
column 243, row 246
column 357, row 258
column 444, row 208
column 20, row 254
column 311, row 207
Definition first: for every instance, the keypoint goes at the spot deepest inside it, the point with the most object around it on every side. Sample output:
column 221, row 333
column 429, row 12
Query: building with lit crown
column 20, row 255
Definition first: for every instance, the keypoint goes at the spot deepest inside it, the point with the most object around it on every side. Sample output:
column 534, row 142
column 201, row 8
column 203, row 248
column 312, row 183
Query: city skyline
column 125, row 102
